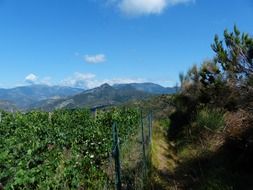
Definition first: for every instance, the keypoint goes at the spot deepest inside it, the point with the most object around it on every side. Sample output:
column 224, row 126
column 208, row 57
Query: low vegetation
column 65, row 149
column 211, row 125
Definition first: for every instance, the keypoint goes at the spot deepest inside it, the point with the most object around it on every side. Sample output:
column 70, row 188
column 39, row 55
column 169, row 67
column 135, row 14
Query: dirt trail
column 164, row 160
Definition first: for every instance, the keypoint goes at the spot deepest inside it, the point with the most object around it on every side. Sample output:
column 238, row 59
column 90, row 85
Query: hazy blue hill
column 7, row 106
column 148, row 87
column 104, row 95
column 54, row 97
column 24, row 96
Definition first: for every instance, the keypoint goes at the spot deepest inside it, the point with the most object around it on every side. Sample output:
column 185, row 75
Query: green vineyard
column 64, row 149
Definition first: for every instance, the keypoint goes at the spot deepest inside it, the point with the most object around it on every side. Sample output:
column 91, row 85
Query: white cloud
column 89, row 80
column 146, row 7
column 95, row 82
column 34, row 79
column 79, row 80
column 123, row 80
column 46, row 81
column 31, row 78
column 140, row 7
column 99, row 58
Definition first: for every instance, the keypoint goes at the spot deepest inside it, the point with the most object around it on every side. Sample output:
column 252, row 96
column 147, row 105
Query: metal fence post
column 150, row 126
column 143, row 147
column 50, row 117
column 116, row 155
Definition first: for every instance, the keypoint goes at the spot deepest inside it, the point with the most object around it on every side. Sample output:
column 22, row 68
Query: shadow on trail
column 230, row 167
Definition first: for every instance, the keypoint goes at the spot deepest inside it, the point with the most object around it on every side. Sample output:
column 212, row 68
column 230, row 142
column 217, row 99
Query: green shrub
column 210, row 118
column 165, row 123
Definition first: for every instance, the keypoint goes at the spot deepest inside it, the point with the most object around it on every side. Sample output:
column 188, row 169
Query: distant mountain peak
column 105, row 85
column 51, row 97
column 102, row 96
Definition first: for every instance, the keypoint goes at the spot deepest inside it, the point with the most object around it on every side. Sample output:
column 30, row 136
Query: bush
column 210, row 118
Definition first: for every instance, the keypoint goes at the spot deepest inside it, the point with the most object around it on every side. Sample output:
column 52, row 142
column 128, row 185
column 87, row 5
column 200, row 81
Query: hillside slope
column 102, row 96
column 148, row 87
column 7, row 106
column 23, row 96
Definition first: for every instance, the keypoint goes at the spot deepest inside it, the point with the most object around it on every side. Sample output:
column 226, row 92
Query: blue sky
column 85, row 43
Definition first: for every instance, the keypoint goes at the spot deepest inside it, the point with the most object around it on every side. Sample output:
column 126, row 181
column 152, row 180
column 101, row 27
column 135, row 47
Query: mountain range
column 23, row 96
column 148, row 87
column 7, row 106
column 55, row 97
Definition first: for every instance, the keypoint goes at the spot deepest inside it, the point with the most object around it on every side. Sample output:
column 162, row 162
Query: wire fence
column 129, row 163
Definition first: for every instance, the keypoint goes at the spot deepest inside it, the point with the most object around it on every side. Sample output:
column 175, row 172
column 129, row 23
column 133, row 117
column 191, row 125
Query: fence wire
column 129, row 168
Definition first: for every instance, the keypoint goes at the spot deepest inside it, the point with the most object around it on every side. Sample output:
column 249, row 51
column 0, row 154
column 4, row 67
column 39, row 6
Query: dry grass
column 164, row 160
column 237, row 122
